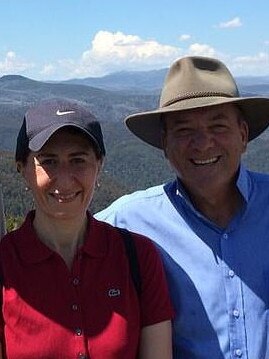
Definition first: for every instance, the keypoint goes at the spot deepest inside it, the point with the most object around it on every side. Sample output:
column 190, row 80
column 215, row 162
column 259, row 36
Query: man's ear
column 245, row 134
column 164, row 142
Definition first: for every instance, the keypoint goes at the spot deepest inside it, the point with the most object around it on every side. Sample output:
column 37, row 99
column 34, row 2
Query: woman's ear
column 21, row 170
column 19, row 166
column 100, row 165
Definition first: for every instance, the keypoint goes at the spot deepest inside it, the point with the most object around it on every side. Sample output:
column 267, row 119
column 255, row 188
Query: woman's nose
column 64, row 175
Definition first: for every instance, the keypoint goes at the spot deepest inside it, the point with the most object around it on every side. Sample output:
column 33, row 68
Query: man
column 212, row 223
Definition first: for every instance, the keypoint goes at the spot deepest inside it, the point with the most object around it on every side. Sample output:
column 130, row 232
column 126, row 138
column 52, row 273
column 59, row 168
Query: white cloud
column 131, row 47
column 235, row 22
column 251, row 65
column 117, row 51
column 202, row 50
column 47, row 70
column 184, row 37
column 11, row 64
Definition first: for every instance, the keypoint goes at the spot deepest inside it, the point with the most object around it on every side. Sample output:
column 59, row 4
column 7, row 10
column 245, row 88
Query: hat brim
column 38, row 141
column 148, row 127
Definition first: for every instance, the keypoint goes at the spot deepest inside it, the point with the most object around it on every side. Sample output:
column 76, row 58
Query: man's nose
column 202, row 140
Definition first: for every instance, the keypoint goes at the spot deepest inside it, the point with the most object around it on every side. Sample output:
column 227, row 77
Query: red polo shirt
column 91, row 311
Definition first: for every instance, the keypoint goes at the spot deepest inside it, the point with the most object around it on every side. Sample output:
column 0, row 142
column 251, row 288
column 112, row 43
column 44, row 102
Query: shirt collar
column 32, row 250
column 96, row 241
column 243, row 184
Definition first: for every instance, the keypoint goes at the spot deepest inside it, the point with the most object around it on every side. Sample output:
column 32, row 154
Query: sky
column 65, row 39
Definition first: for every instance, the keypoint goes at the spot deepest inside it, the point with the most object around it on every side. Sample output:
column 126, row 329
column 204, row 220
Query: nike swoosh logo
column 61, row 113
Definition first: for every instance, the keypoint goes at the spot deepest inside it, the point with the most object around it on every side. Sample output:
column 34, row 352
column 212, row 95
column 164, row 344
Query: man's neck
column 219, row 206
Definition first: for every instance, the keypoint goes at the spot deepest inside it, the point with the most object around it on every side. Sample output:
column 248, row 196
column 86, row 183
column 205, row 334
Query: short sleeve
column 155, row 302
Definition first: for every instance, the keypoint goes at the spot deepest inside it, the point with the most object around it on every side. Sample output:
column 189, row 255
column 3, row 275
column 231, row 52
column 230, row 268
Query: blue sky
column 63, row 39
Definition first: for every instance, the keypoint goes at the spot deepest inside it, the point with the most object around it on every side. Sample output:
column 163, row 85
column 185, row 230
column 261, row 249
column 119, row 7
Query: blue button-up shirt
column 218, row 277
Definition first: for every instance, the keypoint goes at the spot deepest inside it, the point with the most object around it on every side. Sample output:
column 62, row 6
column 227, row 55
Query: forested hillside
column 130, row 164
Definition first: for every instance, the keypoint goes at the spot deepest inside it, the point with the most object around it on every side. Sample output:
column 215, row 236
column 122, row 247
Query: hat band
column 191, row 95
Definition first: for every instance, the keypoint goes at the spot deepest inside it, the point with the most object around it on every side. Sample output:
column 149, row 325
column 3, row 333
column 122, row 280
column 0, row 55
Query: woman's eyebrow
column 75, row 153
column 45, row 154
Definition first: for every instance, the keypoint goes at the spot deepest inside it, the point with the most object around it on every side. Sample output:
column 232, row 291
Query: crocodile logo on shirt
column 114, row 292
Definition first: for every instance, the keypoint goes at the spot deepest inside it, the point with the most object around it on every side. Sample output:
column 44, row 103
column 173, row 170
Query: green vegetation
column 130, row 164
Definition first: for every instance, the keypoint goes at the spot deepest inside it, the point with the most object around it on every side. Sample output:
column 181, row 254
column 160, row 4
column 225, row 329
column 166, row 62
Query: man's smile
column 207, row 161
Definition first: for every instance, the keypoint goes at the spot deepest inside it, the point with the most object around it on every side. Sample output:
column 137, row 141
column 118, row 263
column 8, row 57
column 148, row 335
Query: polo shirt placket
column 75, row 310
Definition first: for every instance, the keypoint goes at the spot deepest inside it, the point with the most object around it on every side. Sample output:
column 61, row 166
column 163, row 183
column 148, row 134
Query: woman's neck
column 62, row 236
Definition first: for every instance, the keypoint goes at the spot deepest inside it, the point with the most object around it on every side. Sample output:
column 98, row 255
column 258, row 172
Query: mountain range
column 144, row 81
column 130, row 164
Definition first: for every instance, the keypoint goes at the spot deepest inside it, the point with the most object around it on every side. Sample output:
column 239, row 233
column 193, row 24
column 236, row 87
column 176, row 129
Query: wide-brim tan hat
column 195, row 82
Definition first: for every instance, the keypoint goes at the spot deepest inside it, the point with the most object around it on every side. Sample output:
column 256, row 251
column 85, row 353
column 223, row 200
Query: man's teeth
column 205, row 162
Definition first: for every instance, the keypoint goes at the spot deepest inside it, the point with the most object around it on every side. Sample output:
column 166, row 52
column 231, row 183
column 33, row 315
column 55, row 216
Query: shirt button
column 231, row 273
column 81, row 356
column 236, row 313
column 78, row 332
column 238, row 353
column 76, row 281
column 225, row 236
column 74, row 307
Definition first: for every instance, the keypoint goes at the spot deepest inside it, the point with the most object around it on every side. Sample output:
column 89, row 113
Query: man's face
column 204, row 146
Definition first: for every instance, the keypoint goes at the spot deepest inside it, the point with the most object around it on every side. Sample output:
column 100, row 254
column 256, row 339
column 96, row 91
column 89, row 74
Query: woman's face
column 62, row 175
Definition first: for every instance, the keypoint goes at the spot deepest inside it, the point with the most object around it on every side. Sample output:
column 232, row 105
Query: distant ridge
column 14, row 78
column 131, row 80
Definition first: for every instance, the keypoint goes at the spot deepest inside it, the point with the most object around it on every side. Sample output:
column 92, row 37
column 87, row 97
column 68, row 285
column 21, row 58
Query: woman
column 67, row 287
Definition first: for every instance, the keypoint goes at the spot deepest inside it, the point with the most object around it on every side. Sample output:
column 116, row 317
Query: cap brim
column 38, row 141
column 147, row 125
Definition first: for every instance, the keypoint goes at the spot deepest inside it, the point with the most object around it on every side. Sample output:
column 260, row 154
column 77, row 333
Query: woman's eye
column 47, row 162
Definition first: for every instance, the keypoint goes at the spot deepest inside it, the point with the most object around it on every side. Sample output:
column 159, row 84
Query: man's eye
column 219, row 127
column 78, row 160
column 183, row 131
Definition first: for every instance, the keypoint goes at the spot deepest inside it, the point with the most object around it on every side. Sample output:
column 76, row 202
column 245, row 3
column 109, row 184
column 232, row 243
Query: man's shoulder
column 133, row 201
column 148, row 194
